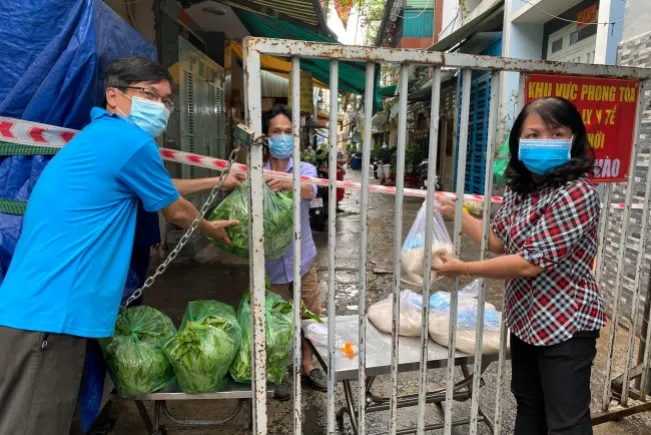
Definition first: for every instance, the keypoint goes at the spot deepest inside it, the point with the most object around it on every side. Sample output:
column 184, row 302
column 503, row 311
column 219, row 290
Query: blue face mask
column 541, row 156
column 280, row 147
column 151, row 116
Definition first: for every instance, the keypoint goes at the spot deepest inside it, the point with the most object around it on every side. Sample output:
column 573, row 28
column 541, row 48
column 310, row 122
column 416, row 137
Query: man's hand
column 277, row 184
column 218, row 230
column 449, row 267
column 233, row 181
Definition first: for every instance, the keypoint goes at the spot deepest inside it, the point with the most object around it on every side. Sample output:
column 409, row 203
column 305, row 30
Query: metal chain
column 188, row 233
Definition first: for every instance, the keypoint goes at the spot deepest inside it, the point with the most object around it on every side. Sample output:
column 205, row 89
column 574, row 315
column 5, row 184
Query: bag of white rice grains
column 413, row 250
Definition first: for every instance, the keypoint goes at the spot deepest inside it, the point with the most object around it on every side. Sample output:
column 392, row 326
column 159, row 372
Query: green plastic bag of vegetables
column 280, row 338
column 203, row 350
column 278, row 222
column 134, row 355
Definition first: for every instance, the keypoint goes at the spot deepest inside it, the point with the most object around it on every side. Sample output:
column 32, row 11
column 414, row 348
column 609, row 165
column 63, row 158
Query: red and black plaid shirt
column 556, row 229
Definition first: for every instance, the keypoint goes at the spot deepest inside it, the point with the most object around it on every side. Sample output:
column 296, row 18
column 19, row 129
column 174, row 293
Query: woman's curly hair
column 555, row 112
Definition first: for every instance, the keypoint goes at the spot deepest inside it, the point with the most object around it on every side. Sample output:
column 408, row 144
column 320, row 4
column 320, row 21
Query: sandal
column 317, row 380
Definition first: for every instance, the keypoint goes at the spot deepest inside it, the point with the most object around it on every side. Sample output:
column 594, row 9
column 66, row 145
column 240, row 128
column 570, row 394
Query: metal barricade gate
column 297, row 50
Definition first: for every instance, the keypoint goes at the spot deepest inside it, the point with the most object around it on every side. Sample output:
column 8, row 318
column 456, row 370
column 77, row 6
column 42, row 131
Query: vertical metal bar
column 639, row 267
column 504, row 330
column 500, row 379
column 363, row 243
column 256, row 243
column 646, row 357
column 614, row 320
column 429, row 216
column 485, row 242
column 397, row 242
column 454, row 297
column 603, row 226
column 332, row 240
column 296, row 132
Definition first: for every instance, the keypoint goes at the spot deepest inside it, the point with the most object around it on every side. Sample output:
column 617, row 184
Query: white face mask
column 151, row 116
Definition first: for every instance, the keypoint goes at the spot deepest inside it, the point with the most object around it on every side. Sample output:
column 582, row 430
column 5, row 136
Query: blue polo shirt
column 72, row 258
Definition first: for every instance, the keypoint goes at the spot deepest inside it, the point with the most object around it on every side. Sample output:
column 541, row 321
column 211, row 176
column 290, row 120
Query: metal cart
column 378, row 362
column 241, row 394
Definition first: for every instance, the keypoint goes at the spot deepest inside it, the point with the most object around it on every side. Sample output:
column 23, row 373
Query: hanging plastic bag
column 205, row 347
column 278, row 222
column 411, row 314
column 134, row 355
column 413, row 250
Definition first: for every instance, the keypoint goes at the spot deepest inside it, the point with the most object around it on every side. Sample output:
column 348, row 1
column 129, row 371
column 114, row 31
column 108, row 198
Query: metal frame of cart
column 378, row 362
column 154, row 423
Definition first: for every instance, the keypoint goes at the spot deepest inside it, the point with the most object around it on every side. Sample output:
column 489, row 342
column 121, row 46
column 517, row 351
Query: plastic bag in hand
column 411, row 316
column 413, row 250
column 278, row 222
column 134, row 355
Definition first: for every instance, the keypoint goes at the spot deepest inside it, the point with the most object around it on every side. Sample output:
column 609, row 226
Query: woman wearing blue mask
column 545, row 236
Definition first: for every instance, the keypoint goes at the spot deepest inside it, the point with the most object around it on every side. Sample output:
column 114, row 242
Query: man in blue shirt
column 69, row 269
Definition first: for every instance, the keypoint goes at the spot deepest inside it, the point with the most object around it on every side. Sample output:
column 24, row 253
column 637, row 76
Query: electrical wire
column 570, row 21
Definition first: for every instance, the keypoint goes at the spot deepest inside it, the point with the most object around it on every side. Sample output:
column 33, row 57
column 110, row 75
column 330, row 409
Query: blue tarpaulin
column 54, row 56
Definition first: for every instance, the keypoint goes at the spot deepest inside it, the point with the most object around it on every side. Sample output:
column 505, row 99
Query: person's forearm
column 504, row 267
column 184, row 218
column 472, row 227
column 191, row 187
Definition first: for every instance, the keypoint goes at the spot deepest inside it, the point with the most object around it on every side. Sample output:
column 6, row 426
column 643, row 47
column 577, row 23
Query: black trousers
column 551, row 385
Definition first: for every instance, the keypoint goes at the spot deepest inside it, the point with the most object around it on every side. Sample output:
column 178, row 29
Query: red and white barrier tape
column 43, row 135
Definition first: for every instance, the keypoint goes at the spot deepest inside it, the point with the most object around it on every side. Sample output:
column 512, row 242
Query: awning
column 486, row 17
column 352, row 75
column 301, row 12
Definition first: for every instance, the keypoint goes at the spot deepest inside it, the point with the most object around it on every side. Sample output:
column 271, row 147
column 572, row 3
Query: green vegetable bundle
column 278, row 222
column 280, row 336
column 134, row 355
column 203, row 350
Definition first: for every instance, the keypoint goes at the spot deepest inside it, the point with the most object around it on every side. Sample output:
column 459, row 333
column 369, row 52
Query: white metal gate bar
column 363, row 243
column 485, row 244
column 429, row 218
column 298, row 200
column 465, row 63
column 397, row 238
column 256, row 243
column 332, row 240
column 284, row 47
column 637, row 288
column 466, row 86
column 603, row 225
column 614, row 320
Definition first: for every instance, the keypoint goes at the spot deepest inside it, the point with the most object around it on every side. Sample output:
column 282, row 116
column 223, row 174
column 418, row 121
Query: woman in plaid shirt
column 545, row 236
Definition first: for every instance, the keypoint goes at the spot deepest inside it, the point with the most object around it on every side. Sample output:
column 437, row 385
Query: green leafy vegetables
column 134, row 355
column 203, row 350
column 278, row 222
column 279, row 319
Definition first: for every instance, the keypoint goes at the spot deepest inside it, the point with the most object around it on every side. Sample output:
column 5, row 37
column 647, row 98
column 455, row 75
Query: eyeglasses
column 152, row 95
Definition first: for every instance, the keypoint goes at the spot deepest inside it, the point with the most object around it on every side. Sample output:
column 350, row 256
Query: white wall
column 522, row 41
column 638, row 19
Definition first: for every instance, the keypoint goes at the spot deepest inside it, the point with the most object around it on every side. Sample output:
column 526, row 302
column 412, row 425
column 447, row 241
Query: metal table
column 378, row 362
column 241, row 393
